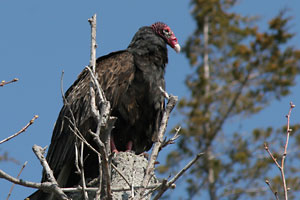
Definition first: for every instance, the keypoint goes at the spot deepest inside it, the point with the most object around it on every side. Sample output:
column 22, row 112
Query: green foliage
column 247, row 70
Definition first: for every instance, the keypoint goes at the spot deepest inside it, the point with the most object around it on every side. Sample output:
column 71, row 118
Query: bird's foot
column 113, row 145
column 145, row 155
column 129, row 146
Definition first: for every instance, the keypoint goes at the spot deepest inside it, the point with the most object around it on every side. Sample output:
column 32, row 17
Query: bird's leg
column 129, row 146
column 113, row 145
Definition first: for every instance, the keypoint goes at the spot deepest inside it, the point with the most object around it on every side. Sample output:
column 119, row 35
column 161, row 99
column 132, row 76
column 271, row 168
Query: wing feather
column 115, row 73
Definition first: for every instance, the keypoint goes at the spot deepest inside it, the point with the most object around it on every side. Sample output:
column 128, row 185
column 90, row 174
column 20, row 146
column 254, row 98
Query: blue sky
column 39, row 39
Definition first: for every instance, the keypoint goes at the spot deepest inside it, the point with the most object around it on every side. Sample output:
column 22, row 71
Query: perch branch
column 20, row 131
column 8, row 82
column 13, row 185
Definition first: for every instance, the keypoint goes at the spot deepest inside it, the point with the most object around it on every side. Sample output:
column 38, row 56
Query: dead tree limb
column 39, row 152
column 93, row 23
column 100, row 110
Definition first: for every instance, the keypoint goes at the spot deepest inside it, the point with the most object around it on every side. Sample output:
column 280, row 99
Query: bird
column 131, row 81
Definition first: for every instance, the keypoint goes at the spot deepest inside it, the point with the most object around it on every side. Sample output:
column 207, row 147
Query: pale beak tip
column 177, row 48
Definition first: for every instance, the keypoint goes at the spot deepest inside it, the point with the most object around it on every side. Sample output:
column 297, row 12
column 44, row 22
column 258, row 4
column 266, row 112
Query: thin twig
column 13, row 185
column 8, row 82
column 20, row 131
column 288, row 131
column 76, row 157
column 271, row 155
column 274, row 192
column 45, row 186
column 281, row 166
column 170, row 184
column 82, row 172
column 39, row 152
column 30, row 184
column 172, row 140
column 62, row 88
column 98, row 192
column 105, row 163
column 105, row 108
column 80, row 136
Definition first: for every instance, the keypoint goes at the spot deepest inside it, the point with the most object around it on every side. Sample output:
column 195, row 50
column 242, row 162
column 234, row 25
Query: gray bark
column 133, row 168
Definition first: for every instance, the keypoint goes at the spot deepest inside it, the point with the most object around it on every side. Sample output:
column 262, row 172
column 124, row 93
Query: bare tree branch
column 93, row 23
column 170, row 184
column 105, row 163
column 8, row 82
column 20, row 131
column 172, row 140
column 102, row 114
column 281, row 166
column 39, row 152
column 44, row 185
column 13, row 185
column 82, row 171
column 274, row 192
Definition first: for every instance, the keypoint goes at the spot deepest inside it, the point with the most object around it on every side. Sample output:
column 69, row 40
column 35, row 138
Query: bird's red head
column 167, row 34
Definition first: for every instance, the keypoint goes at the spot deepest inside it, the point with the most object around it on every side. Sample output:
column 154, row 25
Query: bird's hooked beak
column 177, row 48
column 174, row 43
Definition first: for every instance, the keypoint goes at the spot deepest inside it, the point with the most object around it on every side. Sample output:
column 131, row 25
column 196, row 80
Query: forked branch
column 281, row 165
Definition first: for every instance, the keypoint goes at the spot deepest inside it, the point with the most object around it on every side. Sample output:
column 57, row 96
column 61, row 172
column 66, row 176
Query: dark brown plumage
column 130, row 80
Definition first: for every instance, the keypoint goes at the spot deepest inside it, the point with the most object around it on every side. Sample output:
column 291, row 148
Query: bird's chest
column 146, row 86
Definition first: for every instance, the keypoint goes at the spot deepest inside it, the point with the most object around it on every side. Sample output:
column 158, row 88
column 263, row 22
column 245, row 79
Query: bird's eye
column 167, row 32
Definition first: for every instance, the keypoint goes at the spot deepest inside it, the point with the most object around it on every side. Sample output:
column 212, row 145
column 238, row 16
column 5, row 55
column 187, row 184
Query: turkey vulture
column 130, row 80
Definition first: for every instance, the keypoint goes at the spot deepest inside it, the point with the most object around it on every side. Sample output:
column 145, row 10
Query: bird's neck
column 147, row 43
